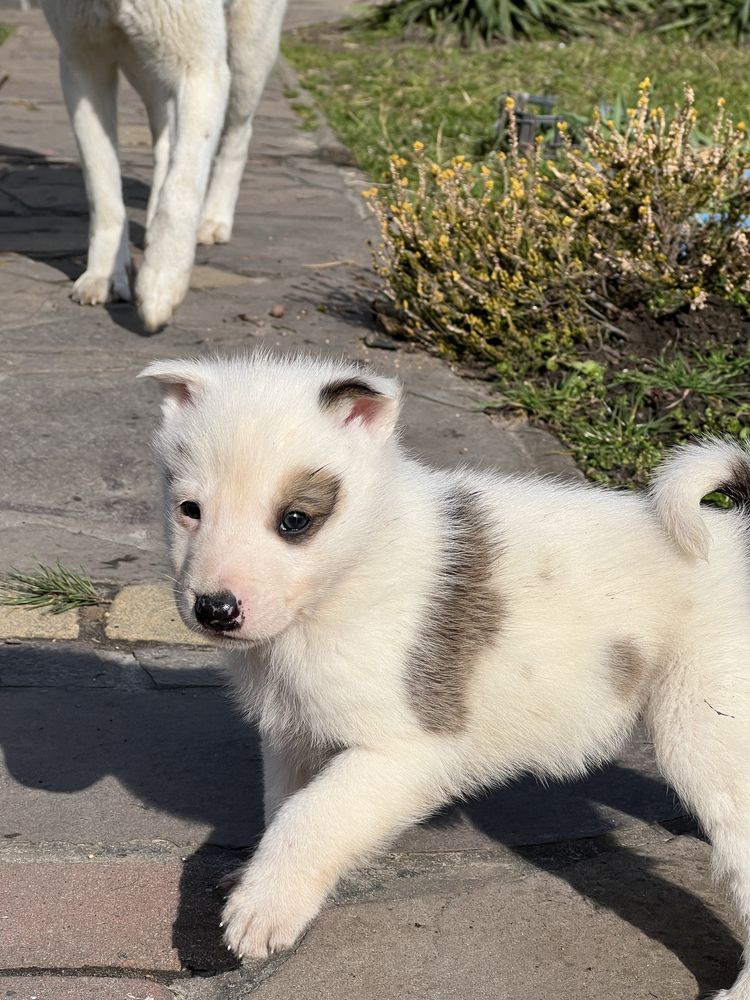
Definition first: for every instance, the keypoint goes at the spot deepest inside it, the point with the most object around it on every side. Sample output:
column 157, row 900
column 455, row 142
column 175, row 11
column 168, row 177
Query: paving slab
column 24, row 623
column 147, row 613
column 80, row 988
column 174, row 668
column 79, row 666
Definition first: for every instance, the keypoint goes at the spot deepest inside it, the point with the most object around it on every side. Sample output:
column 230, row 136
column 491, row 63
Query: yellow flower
column 443, row 241
column 509, row 103
column 741, row 127
column 418, row 146
column 370, row 192
column 721, row 102
column 645, row 83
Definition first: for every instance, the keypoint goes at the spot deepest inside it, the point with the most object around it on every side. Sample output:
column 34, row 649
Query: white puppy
column 403, row 636
column 190, row 62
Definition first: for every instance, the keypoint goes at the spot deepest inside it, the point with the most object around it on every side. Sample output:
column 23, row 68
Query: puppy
column 403, row 636
column 190, row 63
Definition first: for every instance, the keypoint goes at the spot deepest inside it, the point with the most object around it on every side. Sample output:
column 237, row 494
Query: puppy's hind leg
column 700, row 722
column 253, row 42
column 89, row 82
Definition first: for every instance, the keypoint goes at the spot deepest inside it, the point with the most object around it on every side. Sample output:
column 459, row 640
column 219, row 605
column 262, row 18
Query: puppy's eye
column 294, row 522
column 190, row 509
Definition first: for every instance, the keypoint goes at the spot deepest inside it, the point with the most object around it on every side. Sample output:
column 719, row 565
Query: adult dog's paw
column 96, row 289
column 159, row 289
column 214, row 230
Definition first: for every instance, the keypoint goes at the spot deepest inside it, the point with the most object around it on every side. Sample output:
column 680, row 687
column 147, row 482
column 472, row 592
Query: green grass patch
column 6, row 30
column 618, row 423
column 381, row 94
column 54, row 588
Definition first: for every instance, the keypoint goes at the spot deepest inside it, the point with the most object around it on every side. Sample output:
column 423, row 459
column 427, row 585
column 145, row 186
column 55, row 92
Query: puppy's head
column 274, row 475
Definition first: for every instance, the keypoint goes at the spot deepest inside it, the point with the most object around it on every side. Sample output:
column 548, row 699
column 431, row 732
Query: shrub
column 513, row 260
column 704, row 19
column 476, row 21
column 486, row 20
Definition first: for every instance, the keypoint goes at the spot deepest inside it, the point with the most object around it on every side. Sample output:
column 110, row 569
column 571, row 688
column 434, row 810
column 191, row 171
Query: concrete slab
column 37, row 623
column 174, row 668
column 81, row 988
column 35, row 665
column 631, row 925
column 112, row 766
column 146, row 613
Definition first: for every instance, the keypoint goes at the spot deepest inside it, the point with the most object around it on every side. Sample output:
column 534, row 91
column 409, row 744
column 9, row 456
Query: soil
column 648, row 336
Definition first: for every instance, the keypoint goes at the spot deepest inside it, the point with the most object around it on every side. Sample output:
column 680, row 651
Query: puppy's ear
column 370, row 400
column 181, row 381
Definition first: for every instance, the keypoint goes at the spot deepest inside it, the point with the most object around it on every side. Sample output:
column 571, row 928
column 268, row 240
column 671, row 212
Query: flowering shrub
column 513, row 260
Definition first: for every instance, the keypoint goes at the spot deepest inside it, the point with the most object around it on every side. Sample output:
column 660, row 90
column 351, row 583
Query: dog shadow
column 183, row 752
column 44, row 216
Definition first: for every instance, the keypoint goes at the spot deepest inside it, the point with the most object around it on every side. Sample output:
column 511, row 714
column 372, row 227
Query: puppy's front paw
column 265, row 915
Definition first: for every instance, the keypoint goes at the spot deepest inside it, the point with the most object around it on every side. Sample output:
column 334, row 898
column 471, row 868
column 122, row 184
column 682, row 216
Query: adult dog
column 199, row 66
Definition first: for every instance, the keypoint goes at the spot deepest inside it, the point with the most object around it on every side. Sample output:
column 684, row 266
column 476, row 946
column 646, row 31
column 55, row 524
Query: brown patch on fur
column 345, row 389
column 464, row 614
column 315, row 493
column 628, row 666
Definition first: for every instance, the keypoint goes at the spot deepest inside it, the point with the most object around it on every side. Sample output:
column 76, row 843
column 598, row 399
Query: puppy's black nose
column 219, row 612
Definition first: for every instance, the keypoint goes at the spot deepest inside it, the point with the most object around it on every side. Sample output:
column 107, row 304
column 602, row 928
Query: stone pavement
column 127, row 783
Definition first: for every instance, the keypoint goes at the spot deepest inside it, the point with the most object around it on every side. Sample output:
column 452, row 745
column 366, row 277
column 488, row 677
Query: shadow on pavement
column 44, row 215
column 183, row 752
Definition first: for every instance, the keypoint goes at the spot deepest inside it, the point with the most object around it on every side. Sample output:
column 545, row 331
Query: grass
column 55, row 588
column 6, row 30
column 618, row 424
column 381, row 94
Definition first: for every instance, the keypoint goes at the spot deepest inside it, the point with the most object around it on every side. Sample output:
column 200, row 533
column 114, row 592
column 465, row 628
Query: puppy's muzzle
column 218, row 612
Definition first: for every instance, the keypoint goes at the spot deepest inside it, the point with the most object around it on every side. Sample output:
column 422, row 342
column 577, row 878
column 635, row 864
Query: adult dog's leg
column 253, row 44
column 89, row 82
column 161, row 118
column 197, row 87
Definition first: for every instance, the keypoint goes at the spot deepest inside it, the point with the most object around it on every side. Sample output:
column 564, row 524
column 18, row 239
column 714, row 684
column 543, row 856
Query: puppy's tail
column 686, row 475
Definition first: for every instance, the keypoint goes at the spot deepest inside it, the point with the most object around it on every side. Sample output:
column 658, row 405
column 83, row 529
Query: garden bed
column 652, row 371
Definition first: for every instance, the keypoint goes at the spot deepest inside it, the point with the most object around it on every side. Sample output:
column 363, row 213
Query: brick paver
column 80, row 988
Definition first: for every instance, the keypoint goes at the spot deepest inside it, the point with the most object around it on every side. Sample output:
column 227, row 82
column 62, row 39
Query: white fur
column 322, row 659
column 198, row 71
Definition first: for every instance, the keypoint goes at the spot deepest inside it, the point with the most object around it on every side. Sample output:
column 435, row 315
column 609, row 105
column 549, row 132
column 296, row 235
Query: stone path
column 127, row 784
